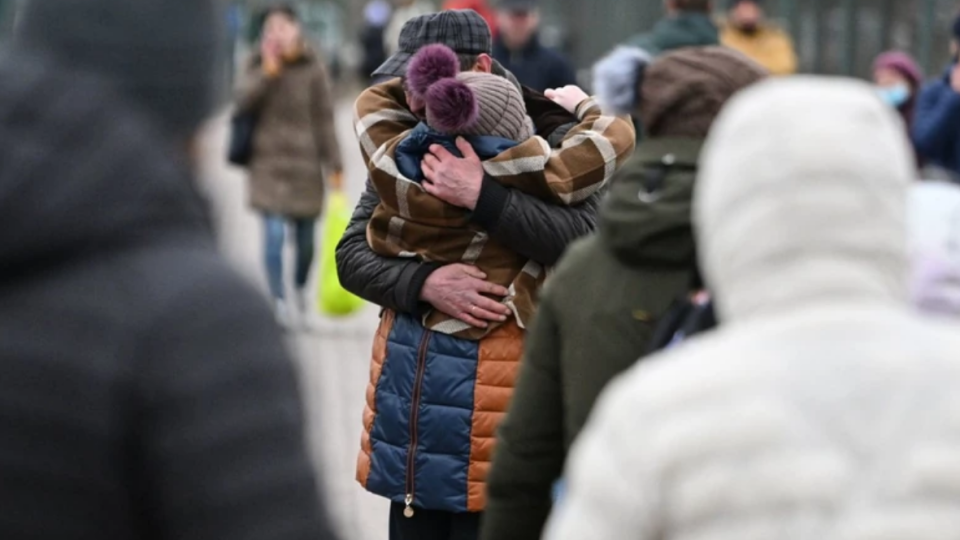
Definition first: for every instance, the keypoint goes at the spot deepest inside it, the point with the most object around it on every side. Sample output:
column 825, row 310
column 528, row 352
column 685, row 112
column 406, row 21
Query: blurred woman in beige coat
column 294, row 145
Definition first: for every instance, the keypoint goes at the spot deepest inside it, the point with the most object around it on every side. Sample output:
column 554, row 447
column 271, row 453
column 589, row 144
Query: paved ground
column 333, row 355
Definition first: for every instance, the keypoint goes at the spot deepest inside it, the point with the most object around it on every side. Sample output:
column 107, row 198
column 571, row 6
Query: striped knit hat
column 468, row 103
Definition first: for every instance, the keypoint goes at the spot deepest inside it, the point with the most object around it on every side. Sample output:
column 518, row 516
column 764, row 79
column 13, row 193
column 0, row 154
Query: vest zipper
column 414, row 418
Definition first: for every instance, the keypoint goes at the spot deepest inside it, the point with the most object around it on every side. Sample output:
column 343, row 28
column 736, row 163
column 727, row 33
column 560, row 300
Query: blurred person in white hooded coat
column 823, row 407
column 934, row 227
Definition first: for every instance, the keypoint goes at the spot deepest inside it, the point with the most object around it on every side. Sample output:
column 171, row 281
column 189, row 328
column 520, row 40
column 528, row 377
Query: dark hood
column 654, row 230
column 79, row 176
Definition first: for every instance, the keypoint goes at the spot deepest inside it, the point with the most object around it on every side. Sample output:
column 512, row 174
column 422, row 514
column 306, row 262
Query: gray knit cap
column 162, row 54
column 501, row 111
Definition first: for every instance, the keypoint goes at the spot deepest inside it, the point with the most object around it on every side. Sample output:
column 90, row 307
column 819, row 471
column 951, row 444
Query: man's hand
column 451, row 179
column 457, row 290
column 569, row 97
column 955, row 78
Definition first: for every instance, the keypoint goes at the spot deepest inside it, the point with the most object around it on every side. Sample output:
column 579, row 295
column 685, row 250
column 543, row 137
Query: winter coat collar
column 410, row 151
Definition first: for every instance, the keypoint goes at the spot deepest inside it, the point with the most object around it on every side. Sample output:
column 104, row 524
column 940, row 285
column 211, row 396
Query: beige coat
column 295, row 143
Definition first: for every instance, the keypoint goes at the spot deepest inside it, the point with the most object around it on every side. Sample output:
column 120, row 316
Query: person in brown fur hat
column 621, row 280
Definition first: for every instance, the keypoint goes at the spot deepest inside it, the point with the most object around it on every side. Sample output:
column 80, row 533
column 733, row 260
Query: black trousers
column 432, row 525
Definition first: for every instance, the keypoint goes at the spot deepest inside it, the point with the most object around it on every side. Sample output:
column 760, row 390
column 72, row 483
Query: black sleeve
column 388, row 282
column 530, row 226
column 220, row 421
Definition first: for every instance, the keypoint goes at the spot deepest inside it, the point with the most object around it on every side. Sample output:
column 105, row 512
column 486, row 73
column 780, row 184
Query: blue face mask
column 894, row 96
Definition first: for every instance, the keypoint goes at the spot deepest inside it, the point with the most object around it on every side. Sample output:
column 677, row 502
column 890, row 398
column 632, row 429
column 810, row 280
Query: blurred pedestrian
column 622, row 280
column 821, row 386
column 518, row 48
column 934, row 222
column 688, row 23
column 376, row 17
column 936, row 123
column 144, row 389
column 432, row 463
column 482, row 7
column 404, row 10
column 295, row 147
column 898, row 79
column 748, row 30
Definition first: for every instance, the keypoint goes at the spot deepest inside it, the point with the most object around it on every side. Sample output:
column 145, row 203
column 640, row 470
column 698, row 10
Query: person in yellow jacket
column 747, row 31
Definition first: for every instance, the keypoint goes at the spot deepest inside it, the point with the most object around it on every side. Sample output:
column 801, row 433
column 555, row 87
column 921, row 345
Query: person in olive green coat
column 599, row 310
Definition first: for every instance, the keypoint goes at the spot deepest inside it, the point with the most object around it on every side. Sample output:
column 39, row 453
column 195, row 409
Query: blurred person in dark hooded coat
column 145, row 391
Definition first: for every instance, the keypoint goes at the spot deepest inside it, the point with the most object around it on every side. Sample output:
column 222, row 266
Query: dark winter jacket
column 144, row 390
column 936, row 125
column 535, row 66
column 678, row 31
column 531, row 227
column 621, row 280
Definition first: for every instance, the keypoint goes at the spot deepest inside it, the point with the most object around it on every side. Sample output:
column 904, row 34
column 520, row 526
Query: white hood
column 935, row 247
column 802, row 199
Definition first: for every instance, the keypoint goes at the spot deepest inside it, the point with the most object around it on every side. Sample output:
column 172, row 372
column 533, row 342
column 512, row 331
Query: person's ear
column 484, row 64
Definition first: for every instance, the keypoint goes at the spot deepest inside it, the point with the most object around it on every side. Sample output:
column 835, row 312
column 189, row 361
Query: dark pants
column 276, row 230
column 432, row 525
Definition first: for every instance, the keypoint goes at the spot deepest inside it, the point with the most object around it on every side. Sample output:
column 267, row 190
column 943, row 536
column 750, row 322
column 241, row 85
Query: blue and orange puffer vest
column 434, row 401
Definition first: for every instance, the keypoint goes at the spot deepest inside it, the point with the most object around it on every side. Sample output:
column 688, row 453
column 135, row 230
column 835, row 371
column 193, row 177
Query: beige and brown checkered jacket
column 409, row 222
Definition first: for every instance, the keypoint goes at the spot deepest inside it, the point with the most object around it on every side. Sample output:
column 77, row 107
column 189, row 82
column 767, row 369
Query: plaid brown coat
column 409, row 222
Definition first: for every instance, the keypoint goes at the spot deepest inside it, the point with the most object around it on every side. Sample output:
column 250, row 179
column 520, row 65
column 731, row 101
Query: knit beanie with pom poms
column 468, row 103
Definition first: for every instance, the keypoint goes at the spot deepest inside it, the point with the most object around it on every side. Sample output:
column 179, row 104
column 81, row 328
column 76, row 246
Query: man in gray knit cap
column 144, row 389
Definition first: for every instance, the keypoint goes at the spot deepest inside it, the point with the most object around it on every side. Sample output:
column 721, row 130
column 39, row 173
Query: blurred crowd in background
column 638, row 276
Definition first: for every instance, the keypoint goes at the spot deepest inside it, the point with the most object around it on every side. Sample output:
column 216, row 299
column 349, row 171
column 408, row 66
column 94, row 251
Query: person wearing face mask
column 748, row 31
column 294, row 146
column 898, row 80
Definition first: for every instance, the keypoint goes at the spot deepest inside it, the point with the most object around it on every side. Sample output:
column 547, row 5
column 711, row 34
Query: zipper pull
column 408, row 511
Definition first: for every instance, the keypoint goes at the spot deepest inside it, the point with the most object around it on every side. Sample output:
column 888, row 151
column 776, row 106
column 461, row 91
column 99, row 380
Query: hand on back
column 458, row 290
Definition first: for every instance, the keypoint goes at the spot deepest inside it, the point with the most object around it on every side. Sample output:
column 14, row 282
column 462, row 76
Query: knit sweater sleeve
column 587, row 158
column 221, row 437
column 381, row 115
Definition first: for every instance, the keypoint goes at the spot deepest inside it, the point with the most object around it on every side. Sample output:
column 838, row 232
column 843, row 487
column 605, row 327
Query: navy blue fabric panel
column 390, row 435
column 388, row 471
column 444, row 430
column 446, row 406
column 393, row 420
column 441, row 483
column 449, row 380
column 444, row 418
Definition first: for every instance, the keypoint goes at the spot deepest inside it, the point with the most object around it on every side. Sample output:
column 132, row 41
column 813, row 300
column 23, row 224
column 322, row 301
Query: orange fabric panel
column 379, row 356
column 498, row 363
